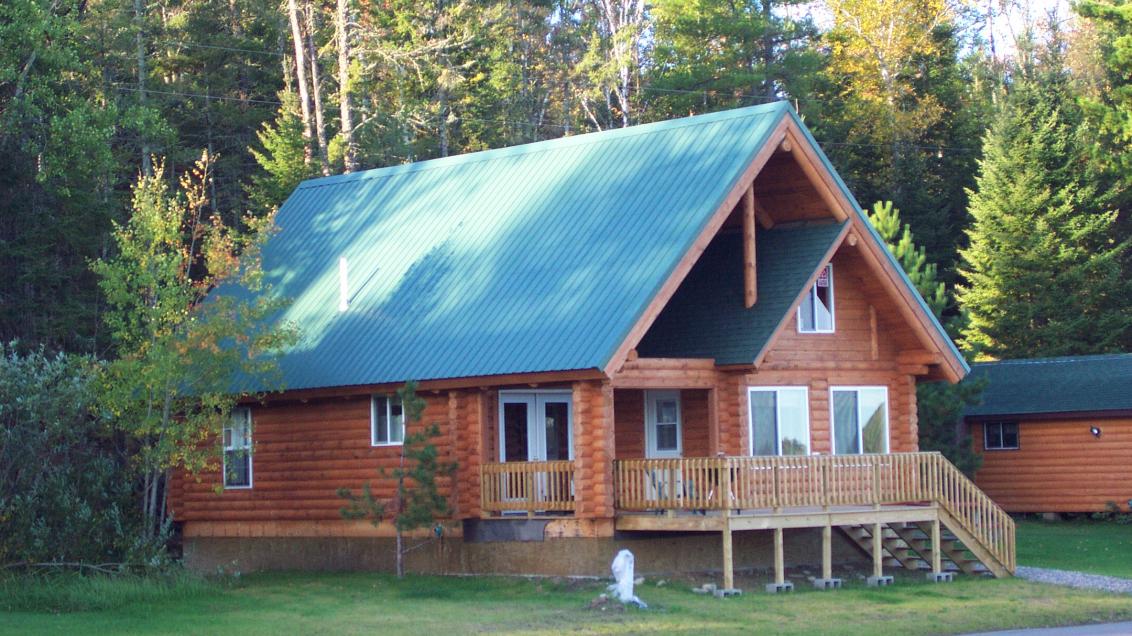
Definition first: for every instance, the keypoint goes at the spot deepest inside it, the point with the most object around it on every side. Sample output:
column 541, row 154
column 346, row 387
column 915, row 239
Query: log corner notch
column 750, row 276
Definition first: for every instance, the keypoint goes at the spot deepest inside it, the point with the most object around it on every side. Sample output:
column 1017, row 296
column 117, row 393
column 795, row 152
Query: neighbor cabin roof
column 1078, row 384
column 534, row 258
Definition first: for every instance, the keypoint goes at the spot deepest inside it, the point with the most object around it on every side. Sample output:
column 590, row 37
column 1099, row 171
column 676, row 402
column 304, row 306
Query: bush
column 66, row 492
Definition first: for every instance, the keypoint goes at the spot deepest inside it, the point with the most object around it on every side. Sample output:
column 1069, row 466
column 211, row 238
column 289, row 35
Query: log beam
column 750, row 278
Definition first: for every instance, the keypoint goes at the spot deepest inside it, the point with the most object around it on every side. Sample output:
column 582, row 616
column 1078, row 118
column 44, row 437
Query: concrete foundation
column 656, row 553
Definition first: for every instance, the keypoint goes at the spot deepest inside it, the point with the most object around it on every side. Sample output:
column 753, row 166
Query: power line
column 217, row 47
column 222, row 98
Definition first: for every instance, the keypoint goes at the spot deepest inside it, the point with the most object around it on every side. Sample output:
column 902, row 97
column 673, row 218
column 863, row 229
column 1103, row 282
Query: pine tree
column 1043, row 270
column 283, row 157
column 913, row 258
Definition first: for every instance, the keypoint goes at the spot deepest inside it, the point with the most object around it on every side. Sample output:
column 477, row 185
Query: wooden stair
column 908, row 546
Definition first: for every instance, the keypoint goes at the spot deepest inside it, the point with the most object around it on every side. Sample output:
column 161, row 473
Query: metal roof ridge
column 1055, row 359
column 547, row 144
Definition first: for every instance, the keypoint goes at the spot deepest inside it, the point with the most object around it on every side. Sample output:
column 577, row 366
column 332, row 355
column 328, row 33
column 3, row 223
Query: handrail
column 529, row 487
column 721, row 483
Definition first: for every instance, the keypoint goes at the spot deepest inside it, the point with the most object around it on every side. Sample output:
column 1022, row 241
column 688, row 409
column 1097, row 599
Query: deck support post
column 937, row 574
column 878, row 578
column 827, row 582
column 780, row 583
column 728, row 560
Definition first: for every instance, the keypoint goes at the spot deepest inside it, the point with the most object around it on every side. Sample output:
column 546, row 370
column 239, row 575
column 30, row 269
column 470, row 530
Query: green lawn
column 375, row 603
column 440, row 606
column 1089, row 546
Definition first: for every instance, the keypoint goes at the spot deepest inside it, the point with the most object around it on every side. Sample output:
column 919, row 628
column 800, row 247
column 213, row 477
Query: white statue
column 623, row 574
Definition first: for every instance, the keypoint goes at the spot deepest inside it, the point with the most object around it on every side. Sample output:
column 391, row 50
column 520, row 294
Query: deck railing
column 723, row 483
column 530, row 487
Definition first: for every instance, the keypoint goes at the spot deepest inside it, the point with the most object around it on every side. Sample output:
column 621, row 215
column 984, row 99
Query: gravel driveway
column 1075, row 579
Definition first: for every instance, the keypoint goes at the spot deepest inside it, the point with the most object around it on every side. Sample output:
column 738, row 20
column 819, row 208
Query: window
column 662, row 424
column 387, row 424
column 860, row 419
column 238, row 449
column 815, row 314
column 1000, row 436
column 780, row 420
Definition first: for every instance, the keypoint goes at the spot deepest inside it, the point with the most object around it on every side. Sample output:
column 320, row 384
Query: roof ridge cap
column 545, row 145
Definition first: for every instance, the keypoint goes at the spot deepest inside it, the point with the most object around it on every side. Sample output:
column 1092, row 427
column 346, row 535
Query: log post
column 728, row 561
column 750, row 278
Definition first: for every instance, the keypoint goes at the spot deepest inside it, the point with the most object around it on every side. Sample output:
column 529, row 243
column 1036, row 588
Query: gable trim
column 692, row 255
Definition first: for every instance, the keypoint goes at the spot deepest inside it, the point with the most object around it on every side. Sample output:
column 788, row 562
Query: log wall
column 1059, row 466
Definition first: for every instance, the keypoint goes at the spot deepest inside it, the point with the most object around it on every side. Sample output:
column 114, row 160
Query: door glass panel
column 873, row 413
column 515, row 432
column 764, row 416
column 845, row 429
column 556, row 415
column 792, row 424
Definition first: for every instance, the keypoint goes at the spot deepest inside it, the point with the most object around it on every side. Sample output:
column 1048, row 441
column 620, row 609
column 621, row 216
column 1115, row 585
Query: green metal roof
column 532, row 258
column 707, row 318
column 1054, row 385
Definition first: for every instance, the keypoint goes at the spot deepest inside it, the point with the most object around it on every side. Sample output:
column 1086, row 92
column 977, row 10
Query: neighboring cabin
column 1055, row 434
column 681, row 317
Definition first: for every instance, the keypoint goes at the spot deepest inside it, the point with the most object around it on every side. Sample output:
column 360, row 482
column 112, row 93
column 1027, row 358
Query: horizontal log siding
column 1059, row 466
column 304, row 452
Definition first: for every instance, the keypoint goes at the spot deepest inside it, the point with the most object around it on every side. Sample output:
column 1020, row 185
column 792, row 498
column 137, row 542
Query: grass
column 1085, row 545
column 368, row 603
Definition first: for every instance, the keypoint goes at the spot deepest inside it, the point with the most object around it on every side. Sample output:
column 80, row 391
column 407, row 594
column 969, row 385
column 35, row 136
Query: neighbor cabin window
column 815, row 314
column 238, row 449
column 860, row 419
column 387, row 423
column 1000, row 436
column 780, row 420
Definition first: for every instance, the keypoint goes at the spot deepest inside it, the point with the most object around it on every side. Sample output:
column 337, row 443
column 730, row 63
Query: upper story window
column 815, row 314
column 860, row 419
column 780, row 420
column 1000, row 436
column 387, row 423
column 238, row 449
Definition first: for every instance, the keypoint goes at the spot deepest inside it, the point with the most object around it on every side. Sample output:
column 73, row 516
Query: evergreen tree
column 1043, row 270
column 898, row 236
column 282, row 157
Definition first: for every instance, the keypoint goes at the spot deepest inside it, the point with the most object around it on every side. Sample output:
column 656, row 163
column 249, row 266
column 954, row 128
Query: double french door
column 536, row 426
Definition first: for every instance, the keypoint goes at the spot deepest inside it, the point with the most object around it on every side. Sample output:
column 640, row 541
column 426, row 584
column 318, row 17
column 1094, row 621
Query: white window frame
column 1000, row 424
column 651, row 451
column 812, row 292
column 536, row 434
column 388, row 420
column 861, row 422
column 247, row 448
column 778, row 416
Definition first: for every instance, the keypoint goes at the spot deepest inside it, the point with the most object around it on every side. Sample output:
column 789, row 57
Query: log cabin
column 683, row 338
column 1054, row 434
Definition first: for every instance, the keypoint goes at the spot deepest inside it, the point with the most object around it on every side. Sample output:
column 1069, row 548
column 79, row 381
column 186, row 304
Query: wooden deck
column 901, row 508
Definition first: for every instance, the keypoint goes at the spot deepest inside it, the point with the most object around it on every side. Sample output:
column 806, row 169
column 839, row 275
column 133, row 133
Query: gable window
column 387, row 424
column 238, row 449
column 860, row 419
column 1000, row 436
column 815, row 314
column 780, row 420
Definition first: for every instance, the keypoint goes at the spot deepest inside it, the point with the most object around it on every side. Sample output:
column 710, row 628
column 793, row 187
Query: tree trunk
column 443, row 122
column 316, row 86
column 768, row 50
column 301, row 77
column 139, row 18
column 350, row 152
column 400, row 555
